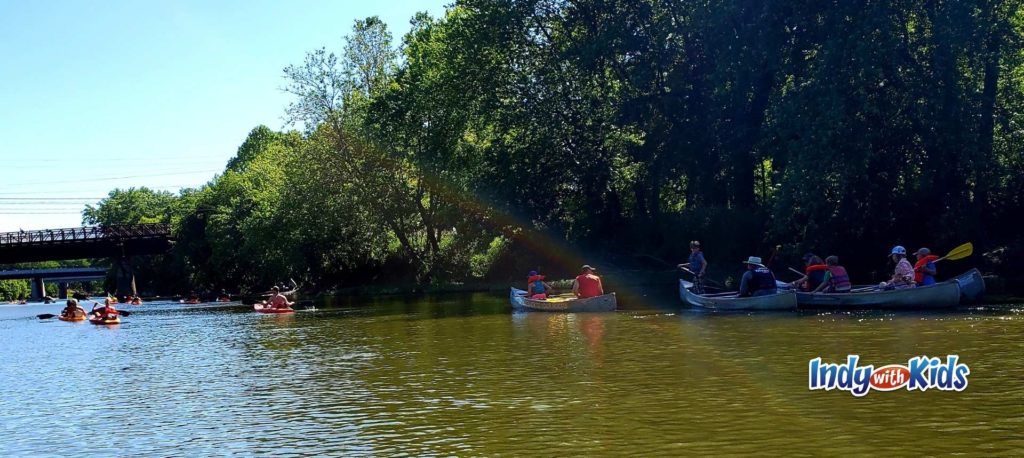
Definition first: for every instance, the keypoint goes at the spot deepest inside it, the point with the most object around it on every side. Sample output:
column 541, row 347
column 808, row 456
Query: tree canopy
column 513, row 131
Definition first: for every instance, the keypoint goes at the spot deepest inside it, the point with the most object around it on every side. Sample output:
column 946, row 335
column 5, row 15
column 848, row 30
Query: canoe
column 515, row 297
column 603, row 303
column 972, row 285
column 784, row 300
column 71, row 318
column 939, row 295
column 114, row 320
column 264, row 308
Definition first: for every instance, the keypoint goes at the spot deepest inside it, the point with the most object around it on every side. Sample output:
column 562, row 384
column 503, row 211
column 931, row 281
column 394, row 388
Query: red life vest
column 815, row 274
column 918, row 274
column 840, row 281
column 589, row 285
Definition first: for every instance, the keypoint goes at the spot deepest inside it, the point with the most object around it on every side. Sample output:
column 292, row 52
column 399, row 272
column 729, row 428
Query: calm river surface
column 463, row 375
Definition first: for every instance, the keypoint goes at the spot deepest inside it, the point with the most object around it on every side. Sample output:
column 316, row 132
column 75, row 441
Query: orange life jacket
column 918, row 274
column 815, row 275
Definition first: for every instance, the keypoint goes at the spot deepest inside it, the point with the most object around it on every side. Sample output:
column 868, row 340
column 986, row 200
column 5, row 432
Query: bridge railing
column 76, row 234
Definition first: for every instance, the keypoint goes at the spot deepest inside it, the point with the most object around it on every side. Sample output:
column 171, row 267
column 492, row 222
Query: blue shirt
column 697, row 262
column 928, row 279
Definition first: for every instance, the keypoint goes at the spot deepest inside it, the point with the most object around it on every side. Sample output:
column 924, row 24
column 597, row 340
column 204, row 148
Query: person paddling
column 697, row 265
column 278, row 300
column 758, row 280
column 587, row 284
column 903, row 275
column 924, row 268
column 72, row 310
column 536, row 287
column 836, row 279
column 107, row 312
column 814, row 273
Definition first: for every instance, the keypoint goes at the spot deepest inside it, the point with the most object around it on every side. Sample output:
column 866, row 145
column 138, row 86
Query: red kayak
column 264, row 308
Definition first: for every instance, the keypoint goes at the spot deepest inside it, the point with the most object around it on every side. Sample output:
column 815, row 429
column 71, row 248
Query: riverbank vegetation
column 508, row 135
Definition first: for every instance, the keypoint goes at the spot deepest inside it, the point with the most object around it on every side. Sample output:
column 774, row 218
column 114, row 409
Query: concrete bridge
column 118, row 242
column 39, row 277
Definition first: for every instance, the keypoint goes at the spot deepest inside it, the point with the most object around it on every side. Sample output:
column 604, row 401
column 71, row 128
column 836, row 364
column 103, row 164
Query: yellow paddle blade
column 960, row 252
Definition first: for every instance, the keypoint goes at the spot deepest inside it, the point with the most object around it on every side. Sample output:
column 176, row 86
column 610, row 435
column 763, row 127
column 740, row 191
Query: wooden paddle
column 959, row 252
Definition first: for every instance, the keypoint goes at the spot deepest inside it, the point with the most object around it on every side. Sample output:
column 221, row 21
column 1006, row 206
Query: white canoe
column 603, row 303
column 784, row 300
column 972, row 285
column 939, row 295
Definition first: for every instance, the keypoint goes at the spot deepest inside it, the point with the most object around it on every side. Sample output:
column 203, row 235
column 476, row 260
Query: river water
column 464, row 375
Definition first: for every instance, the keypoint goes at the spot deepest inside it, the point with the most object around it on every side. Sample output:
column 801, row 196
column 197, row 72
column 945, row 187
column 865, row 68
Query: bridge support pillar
column 38, row 289
column 125, row 277
column 62, row 290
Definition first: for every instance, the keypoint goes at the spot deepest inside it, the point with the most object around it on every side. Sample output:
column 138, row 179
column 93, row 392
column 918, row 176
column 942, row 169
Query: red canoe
column 264, row 308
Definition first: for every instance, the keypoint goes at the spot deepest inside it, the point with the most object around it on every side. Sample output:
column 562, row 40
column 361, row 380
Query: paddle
column 705, row 279
column 959, row 252
column 46, row 316
column 119, row 312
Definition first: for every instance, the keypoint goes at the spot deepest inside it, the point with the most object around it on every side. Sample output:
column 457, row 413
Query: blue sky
column 97, row 95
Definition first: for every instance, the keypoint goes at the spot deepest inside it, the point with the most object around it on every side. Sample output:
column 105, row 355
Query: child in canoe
column 536, row 287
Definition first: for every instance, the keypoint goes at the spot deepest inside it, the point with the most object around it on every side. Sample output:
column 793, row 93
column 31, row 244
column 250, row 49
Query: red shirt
column 589, row 286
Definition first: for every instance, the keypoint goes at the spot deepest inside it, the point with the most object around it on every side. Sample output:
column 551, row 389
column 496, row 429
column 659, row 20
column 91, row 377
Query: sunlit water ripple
column 464, row 375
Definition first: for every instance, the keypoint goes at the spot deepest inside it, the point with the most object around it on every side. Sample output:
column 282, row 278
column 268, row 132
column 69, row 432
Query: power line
column 51, row 198
column 35, row 193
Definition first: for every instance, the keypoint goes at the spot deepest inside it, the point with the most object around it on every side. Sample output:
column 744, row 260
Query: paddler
column 758, row 280
column 814, row 273
column 72, row 310
column 587, row 284
column 924, row 268
column 107, row 312
column 696, row 265
column 836, row 279
column 278, row 300
column 903, row 274
column 536, row 287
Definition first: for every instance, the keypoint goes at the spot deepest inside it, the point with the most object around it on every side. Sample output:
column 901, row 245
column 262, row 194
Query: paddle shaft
column 695, row 275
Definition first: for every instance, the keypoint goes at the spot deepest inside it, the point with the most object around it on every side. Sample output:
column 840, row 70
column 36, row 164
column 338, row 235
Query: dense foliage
column 512, row 133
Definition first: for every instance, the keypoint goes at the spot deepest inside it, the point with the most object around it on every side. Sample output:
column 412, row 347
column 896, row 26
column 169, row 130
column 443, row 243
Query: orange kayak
column 114, row 320
column 71, row 318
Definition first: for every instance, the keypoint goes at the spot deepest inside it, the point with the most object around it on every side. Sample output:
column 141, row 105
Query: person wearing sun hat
column 903, row 275
column 758, row 280
column 587, row 284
